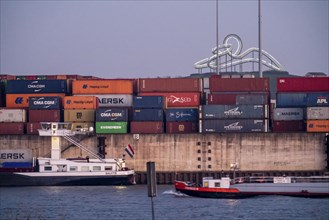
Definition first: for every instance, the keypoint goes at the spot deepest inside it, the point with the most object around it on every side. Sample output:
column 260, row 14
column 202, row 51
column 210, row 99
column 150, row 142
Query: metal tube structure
column 260, row 61
column 217, row 42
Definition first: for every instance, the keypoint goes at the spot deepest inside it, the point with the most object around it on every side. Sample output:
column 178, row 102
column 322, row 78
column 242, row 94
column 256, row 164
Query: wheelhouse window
column 85, row 168
column 96, row 168
column 73, row 168
column 217, row 184
column 48, row 168
column 108, row 168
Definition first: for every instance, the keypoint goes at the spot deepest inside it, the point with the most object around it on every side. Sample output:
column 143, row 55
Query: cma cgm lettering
column 187, row 99
column 45, row 103
column 36, row 86
column 112, row 114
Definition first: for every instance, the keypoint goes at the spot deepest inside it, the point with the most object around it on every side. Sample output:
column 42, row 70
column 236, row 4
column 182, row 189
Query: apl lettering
column 322, row 101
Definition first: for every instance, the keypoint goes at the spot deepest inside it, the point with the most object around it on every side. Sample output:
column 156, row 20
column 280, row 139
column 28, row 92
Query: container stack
column 12, row 121
column 182, row 120
column 299, row 99
column 236, row 105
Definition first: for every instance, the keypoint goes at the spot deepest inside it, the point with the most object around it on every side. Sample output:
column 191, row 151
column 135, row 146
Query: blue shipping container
column 36, row 86
column 45, row 102
column 234, row 125
column 290, row 100
column 182, row 114
column 112, row 114
column 148, row 115
column 317, row 99
column 149, row 102
column 17, row 165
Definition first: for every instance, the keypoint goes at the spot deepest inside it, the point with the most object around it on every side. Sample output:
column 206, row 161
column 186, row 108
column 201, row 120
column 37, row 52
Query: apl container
column 36, row 86
column 290, row 100
column 218, row 84
column 169, row 85
column 114, row 100
column 79, row 115
column 12, row 115
column 104, row 86
column 303, row 84
column 146, row 127
column 45, row 116
column 80, row 102
column 288, row 126
column 111, row 127
column 182, row 114
column 234, row 125
column 22, row 100
column 288, row 114
column 234, row 111
column 181, row 127
column 112, row 114
column 148, row 115
column 317, row 113
column 317, row 125
column 11, row 128
column 45, row 102
column 317, row 99
column 32, row 128
column 177, row 100
column 158, row 102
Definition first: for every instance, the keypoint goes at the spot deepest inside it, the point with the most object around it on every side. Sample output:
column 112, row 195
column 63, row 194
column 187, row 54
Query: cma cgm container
column 79, row 115
column 317, row 99
column 181, row 127
column 80, row 102
column 169, row 85
column 36, row 86
column 45, row 116
column 317, row 125
column 146, row 127
column 234, row 125
column 218, row 84
column 111, row 127
column 112, row 114
column 11, row 128
column 317, row 113
column 149, row 102
column 288, row 126
column 12, row 115
column 288, row 114
column 291, row 100
column 114, row 100
column 105, row 86
column 32, row 127
column 303, row 84
column 22, row 100
column 45, row 102
column 178, row 99
column 234, row 111
column 148, row 115
column 182, row 114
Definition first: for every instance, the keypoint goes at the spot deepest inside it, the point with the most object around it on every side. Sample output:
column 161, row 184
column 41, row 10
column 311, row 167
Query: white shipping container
column 317, row 113
column 12, row 115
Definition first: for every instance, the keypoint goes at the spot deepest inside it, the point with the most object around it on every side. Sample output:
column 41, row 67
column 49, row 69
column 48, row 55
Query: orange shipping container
column 317, row 125
column 102, row 86
column 22, row 100
column 80, row 102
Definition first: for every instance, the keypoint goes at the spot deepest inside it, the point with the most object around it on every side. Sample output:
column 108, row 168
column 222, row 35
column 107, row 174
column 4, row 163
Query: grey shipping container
column 114, row 100
column 149, row 102
column 12, row 115
column 288, row 114
column 290, row 100
column 15, row 155
column 47, row 102
column 182, row 114
column 148, row 115
column 234, row 111
column 36, row 86
column 112, row 114
column 317, row 99
column 234, row 125
column 318, row 113
column 251, row 99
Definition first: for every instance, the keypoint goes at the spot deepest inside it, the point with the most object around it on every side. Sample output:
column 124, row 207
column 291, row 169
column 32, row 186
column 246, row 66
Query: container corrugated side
column 180, row 99
column 169, row 85
column 252, row 99
column 303, row 84
column 148, row 115
column 105, row 86
column 317, row 113
column 32, row 128
column 317, row 99
column 290, row 100
column 288, row 114
column 12, row 115
column 317, row 125
column 11, row 128
column 218, row 84
column 111, row 127
column 181, row 127
column 79, row 115
column 234, row 111
column 112, row 114
column 45, row 102
column 22, row 100
column 45, row 116
column 15, row 155
column 234, row 125
column 80, row 102
column 146, row 127
column 288, row 126
column 222, row 99
column 182, row 114
column 36, row 86
column 113, row 100
column 149, row 102
column 16, row 165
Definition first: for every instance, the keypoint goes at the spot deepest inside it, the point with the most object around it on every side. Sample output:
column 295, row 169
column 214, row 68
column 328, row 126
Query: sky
column 132, row 39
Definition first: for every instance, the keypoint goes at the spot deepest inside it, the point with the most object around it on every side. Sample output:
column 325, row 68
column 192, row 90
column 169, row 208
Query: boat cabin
column 209, row 182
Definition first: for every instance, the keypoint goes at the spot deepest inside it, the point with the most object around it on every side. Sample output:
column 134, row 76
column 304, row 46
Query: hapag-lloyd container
column 149, row 102
column 181, row 127
column 16, row 155
column 148, row 114
column 303, row 84
column 22, row 100
column 111, row 127
column 104, row 86
column 234, row 125
column 218, row 84
column 79, row 115
column 114, row 100
column 11, row 128
column 169, row 85
column 12, row 115
column 317, row 125
column 36, row 86
column 182, row 114
column 146, row 127
column 178, row 99
column 32, row 127
column 317, row 99
column 44, row 115
column 45, row 102
column 112, row 114
column 288, row 126
column 234, row 111
column 288, row 114
column 80, row 102
column 317, row 113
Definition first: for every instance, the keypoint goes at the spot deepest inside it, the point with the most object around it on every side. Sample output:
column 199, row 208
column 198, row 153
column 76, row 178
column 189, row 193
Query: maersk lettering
column 13, row 156
column 111, row 101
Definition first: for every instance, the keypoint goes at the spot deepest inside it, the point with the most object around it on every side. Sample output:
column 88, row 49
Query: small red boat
column 254, row 186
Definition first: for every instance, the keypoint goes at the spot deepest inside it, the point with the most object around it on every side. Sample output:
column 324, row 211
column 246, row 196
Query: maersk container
column 234, row 125
column 290, row 100
column 16, row 165
column 317, row 99
column 303, row 84
column 148, row 114
column 112, row 114
column 16, row 155
column 317, row 126
column 45, row 116
column 181, row 127
column 317, row 113
column 218, row 84
column 149, row 102
column 22, row 100
column 111, row 127
column 11, row 128
column 234, row 111
column 146, row 127
column 288, row 126
column 36, row 86
column 288, row 114
column 169, row 85
column 182, row 114
column 114, row 100
column 45, row 102
column 252, row 99
column 79, row 115
column 32, row 127
column 178, row 99
column 12, row 115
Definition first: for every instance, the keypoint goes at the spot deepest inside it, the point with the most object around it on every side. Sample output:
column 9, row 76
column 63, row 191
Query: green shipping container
column 111, row 127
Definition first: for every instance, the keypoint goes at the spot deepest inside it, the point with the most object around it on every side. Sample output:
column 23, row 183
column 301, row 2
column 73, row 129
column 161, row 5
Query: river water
column 132, row 202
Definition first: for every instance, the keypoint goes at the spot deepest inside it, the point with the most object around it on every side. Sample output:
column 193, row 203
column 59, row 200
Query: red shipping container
column 183, row 127
column 7, row 77
column 222, row 99
column 146, row 127
column 218, row 84
column 169, row 85
column 187, row 99
column 288, row 126
column 44, row 115
column 303, row 84
column 32, row 127
column 12, row 128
